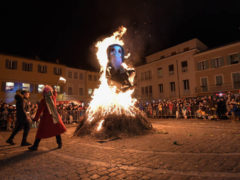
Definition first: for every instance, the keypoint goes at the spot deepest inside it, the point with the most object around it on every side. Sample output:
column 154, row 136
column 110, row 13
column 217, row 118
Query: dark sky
column 69, row 30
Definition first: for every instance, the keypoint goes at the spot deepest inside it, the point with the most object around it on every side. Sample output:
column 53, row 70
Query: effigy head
column 115, row 54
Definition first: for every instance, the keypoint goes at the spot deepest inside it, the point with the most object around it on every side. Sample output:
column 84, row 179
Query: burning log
column 112, row 110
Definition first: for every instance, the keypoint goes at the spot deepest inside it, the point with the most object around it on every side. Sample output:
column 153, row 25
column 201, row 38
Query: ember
column 112, row 110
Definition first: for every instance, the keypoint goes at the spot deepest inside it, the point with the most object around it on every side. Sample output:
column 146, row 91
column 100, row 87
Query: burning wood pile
column 112, row 110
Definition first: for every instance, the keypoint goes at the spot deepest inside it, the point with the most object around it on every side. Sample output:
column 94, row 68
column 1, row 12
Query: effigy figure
column 117, row 73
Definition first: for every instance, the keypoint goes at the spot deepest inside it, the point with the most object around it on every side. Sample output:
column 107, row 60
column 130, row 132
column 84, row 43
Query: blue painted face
column 115, row 56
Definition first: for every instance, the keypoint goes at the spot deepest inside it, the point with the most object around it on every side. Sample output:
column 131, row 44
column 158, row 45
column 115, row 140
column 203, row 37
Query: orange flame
column 105, row 99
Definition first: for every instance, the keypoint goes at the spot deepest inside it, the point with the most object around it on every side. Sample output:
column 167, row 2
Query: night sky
column 68, row 31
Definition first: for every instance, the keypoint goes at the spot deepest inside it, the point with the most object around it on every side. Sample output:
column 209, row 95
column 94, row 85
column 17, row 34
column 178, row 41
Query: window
column 57, row 88
column 204, row 84
column 218, row 62
column 26, row 86
column 90, row 77
column 234, row 59
column 219, row 80
column 11, row 64
column 9, row 86
column 236, row 80
column 146, row 91
column 70, row 74
column 70, row 91
column 184, row 65
column 172, row 86
column 186, row 84
column 173, row 53
column 171, row 69
column 81, row 91
column 186, row 49
column 75, row 75
column 142, row 91
column 40, row 88
column 57, row 71
column 203, row 65
column 159, row 72
column 81, row 76
column 150, row 91
column 27, row 66
column 90, row 91
column 95, row 77
column 150, row 74
column 42, row 68
column 160, row 86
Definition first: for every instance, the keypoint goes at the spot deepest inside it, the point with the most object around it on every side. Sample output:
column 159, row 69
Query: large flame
column 105, row 99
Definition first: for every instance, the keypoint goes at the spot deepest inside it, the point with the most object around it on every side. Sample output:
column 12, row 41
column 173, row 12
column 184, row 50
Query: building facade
column 80, row 84
column 31, row 75
column 169, row 73
column 27, row 74
column 218, row 70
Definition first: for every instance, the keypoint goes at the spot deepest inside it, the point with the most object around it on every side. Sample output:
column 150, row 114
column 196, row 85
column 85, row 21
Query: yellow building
column 92, row 82
column 27, row 74
column 169, row 73
column 218, row 69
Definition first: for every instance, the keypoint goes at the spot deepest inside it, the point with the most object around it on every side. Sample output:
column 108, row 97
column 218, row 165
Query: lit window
column 9, row 86
column 26, row 86
column 40, row 88
column 90, row 91
column 57, row 88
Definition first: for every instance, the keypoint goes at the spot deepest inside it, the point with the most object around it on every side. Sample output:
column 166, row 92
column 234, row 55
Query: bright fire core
column 106, row 99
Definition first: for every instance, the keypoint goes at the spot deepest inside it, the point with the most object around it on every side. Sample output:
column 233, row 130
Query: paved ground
column 181, row 149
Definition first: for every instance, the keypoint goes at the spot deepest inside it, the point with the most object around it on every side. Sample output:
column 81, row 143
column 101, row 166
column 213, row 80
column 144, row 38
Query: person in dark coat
column 23, row 117
column 221, row 109
column 50, row 122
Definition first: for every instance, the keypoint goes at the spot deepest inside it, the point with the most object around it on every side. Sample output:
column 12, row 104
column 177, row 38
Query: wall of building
column 224, row 69
column 19, row 75
column 184, row 54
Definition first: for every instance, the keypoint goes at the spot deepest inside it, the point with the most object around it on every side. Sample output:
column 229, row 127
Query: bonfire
column 112, row 112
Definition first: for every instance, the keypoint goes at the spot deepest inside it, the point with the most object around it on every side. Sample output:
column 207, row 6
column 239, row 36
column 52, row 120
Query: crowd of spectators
column 70, row 113
column 220, row 106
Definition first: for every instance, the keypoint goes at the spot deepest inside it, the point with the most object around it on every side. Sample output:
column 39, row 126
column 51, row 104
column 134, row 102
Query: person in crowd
column 23, row 117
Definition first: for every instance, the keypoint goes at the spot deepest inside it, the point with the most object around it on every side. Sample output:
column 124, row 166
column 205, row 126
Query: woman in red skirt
column 50, row 122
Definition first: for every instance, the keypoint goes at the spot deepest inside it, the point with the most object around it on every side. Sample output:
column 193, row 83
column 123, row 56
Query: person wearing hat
column 23, row 117
column 50, row 122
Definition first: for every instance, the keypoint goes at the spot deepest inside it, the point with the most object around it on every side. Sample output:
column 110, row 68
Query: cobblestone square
column 179, row 149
